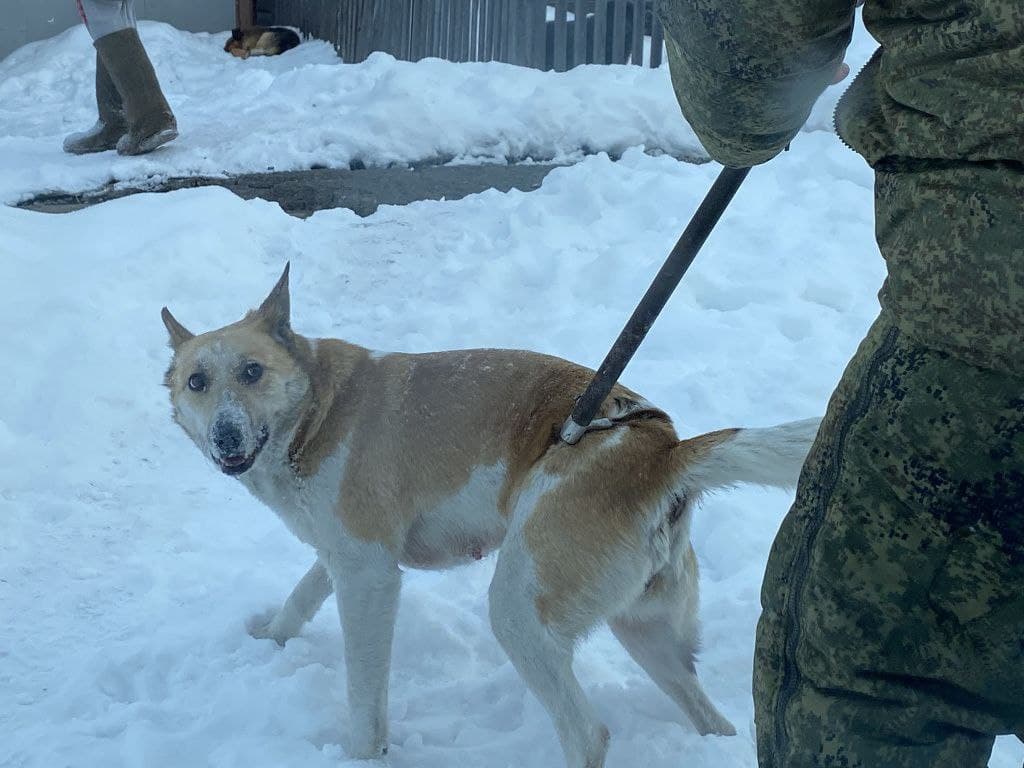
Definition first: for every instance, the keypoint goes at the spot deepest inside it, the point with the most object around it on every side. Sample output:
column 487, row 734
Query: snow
column 306, row 109
column 129, row 565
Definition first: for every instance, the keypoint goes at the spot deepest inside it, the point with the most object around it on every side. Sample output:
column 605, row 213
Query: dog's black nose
column 227, row 438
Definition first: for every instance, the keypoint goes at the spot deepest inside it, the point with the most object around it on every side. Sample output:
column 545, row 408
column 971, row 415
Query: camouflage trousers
column 893, row 626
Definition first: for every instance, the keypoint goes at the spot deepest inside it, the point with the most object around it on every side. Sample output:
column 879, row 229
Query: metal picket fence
column 512, row 31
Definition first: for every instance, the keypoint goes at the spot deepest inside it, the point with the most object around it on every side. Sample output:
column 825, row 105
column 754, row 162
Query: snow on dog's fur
column 385, row 460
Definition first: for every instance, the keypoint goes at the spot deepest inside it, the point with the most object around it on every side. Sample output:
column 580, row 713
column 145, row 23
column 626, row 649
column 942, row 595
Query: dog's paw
column 264, row 626
column 719, row 726
column 368, row 737
column 369, row 752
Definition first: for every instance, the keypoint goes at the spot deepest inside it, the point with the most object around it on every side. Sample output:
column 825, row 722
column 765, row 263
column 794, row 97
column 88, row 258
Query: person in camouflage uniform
column 892, row 634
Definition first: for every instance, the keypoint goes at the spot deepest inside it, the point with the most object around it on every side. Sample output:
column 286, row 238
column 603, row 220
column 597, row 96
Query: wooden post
column 600, row 21
column 657, row 35
column 538, row 34
column 579, row 50
column 639, row 10
column 561, row 36
column 619, row 32
column 245, row 14
column 487, row 14
column 474, row 31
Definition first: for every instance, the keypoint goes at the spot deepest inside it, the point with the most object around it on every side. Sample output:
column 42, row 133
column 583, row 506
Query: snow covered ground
column 306, row 108
column 128, row 565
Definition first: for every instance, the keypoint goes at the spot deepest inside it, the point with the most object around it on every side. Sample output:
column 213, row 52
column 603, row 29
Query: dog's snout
column 227, row 438
column 233, row 444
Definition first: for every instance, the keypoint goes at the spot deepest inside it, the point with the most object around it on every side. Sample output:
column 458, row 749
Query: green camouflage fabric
column 893, row 627
column 746, row 72
column 946, row 83
column 938, row 112
column 952, row 234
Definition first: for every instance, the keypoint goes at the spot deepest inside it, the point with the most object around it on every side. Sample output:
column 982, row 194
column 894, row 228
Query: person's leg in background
column 134, row 116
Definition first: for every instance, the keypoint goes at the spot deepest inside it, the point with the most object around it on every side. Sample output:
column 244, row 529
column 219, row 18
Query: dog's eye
column 197, row 382
column 251, row 373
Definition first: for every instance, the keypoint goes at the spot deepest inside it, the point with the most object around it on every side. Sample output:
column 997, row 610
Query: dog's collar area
column 624, row 412
column 572, row 432
column 620, row 410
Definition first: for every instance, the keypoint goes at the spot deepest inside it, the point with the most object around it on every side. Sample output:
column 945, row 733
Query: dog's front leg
column 367, row 582
column 301, row 606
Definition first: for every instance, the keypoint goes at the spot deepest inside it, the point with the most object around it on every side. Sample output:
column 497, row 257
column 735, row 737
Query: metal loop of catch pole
column 650, row 306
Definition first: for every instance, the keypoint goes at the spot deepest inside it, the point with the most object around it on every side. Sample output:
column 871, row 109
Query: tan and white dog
column 384, row 461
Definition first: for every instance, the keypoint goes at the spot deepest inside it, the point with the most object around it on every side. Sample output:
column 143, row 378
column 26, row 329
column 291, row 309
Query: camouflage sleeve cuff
column 744, row 122
column 747, row 72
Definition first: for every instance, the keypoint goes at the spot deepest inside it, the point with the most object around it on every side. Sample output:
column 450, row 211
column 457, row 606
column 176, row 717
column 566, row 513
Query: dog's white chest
column 460, row 527
column 307, row 506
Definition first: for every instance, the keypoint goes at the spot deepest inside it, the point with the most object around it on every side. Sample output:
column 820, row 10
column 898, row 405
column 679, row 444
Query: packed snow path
column 307, row 109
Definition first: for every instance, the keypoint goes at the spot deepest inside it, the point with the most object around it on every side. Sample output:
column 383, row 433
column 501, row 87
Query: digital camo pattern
column 947, row 83
column 746, row 72
column 939, row 113
column 952, row 235
column 893, row 626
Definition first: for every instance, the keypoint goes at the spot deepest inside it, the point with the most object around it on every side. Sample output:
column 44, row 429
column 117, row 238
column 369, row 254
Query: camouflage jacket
column 938, row 111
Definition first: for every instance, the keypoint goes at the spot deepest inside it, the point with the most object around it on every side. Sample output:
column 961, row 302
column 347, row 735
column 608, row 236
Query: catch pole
column 650, row 306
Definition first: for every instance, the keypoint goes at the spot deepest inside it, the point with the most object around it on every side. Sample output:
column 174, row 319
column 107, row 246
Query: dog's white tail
column 770, row 456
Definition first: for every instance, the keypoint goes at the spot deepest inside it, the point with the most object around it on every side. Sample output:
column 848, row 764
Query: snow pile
column 306, row 108
column 128, row 564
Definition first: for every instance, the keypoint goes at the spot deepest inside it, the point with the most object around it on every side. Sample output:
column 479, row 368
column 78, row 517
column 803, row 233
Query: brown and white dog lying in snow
column 260, row 41
column 384, row 461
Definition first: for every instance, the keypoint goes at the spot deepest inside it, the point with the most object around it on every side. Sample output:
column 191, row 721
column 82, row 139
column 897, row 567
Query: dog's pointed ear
column 178, row 332
column 275, row 311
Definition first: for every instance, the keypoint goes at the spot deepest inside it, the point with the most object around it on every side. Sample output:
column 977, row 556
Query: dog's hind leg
column 301, row 606
column 661, row 633
column 543, row 657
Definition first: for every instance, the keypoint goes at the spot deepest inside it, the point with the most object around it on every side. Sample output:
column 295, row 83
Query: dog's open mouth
column 239, row 463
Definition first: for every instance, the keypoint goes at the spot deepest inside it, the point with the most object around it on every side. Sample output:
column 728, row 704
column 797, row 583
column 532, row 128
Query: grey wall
column 22, row 21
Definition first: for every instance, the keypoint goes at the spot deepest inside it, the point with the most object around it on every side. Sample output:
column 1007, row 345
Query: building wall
column 23, row 21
